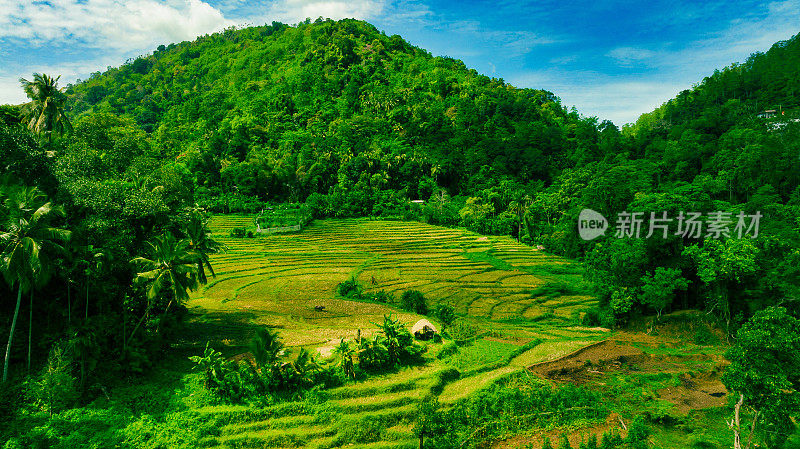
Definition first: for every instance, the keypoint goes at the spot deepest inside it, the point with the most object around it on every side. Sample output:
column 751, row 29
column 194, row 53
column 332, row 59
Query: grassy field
column 493, row 283
column 523, row 305
column 278, row 280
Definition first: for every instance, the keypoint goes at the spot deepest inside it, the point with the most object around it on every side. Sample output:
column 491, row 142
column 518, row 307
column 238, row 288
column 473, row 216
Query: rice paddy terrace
column 496, row 284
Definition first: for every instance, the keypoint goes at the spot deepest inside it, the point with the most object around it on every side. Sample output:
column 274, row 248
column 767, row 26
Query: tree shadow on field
column 222, row 329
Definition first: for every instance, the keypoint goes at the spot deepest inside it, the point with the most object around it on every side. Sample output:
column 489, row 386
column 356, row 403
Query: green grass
column 481, row 352
column 277, row 281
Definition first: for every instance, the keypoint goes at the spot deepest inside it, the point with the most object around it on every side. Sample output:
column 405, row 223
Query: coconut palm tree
column 345, row 353
column 94, row 263
column 44, row 114
column 202, row 243
column 172, row 269
column 265, row 347
column 26, row 243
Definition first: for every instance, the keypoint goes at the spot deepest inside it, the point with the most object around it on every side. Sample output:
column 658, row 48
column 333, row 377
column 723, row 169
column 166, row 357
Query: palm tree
column 94, row 261
column 520, row 207
column 172, row 268
column 345, row 353
column 26, row 244
column 265, row 347
column 45, row 112
column 202, row 243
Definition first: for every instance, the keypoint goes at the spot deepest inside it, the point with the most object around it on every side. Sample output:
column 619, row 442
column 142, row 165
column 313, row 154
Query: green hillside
column 284, row 112
column 145, row 309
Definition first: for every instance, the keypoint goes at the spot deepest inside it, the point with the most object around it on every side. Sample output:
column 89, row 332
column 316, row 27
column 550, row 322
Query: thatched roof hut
column 423, row 330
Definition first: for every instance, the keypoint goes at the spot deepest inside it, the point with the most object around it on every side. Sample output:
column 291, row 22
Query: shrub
column 591, row 318
column 383, row 296
column 611, row 440
column 590, row 443
column 414, row 301
column 363, row 430
column 704, row 336
column 461, row 331
column 553, row 290
column 638, row 432
column 447, row 350
column 607, row 318
column 445, row 313
column 56, row 388
column 238, row 232
column 350, row 289
column 221, row 376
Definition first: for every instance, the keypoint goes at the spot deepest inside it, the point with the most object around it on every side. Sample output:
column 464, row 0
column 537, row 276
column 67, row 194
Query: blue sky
column 610, row 59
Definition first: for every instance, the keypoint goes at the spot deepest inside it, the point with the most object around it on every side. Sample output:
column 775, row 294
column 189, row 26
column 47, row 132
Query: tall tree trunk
column 69, row 305
column 141, row 320
column 734, row 424
column 30, row 331
column 87, row 297
column 11, row 334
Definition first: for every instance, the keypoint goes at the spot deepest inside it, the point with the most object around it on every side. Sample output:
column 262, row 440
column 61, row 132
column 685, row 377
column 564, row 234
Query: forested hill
column 356, row 123
column 734, row 95
column 280, row 112
column 712, row 149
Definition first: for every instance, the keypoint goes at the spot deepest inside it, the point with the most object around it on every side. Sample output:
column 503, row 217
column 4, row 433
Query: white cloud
column 621, row 100
column 293, row 11
column 11, row 92
column 631, row 55
column 515, row 43
column 109, row 24
column 108, row 31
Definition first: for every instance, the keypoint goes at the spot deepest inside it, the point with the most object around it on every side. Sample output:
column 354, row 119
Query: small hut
column 423, row 330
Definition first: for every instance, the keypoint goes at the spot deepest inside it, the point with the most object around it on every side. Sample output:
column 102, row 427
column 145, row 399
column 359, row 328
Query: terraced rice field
column 277, row 281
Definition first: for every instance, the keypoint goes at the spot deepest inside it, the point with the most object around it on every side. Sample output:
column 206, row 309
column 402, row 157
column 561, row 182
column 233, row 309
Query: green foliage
column 265, row 347
column 443, row 378
column 591, row 318
column 704, row 336
column 659, row 288
column 428, row 418
column 350, row 289
column 462, row 331
column 238, row 232
column 765, row 362
column 382, row 296
column 520, row 402
column 414, row 301
column 282, row 215
column 450, row 348
column 44, row 113
column 220, row 376
column 481, row 352
column 445, row 313
column 552, row 290
column 589, row 443
column 359, row 124
column 56, row 388
column 638, row 432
